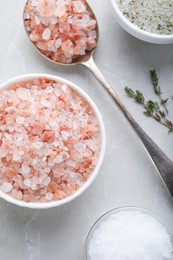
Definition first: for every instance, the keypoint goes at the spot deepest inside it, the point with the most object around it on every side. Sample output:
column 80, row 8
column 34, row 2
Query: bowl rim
column 78, row 90
column 137, row 29
column 119, row 209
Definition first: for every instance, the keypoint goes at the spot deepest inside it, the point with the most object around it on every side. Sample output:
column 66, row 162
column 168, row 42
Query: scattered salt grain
column 61, row 29
column 128, row 235
column 149, row 15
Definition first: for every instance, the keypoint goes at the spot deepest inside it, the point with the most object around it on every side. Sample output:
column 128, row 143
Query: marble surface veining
column 127, row 176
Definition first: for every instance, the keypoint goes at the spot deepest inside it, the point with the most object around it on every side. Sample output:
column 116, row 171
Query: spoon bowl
column 162, row 163
column 80, row 58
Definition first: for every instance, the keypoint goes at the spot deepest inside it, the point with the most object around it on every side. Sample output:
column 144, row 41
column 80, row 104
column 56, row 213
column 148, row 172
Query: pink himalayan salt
column 46, row 151
column 62, row 30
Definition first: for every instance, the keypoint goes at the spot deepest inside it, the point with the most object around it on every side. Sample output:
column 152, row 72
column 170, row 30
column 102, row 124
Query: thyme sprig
column 152, row 108
column 157, row 89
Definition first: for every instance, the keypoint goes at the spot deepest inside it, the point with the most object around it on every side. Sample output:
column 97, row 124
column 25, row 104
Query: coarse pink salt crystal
column 16, row 194
column 51, row 150
column 61, row 29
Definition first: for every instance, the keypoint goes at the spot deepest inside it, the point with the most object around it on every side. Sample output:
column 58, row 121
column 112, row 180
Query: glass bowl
column 95, row 232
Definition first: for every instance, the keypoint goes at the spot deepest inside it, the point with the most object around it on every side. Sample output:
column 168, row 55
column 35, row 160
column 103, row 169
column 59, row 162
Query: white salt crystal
column 38, row 145
column 44, row 159
column 46, row 181
column 3, row 152
column 46, row 34
column 56, row 144
column 65, row 134
column 71, row 163
column 37, row 20
column 51, row 162
column 26, row 16
column 47, row 170
column 70, row 19
column 11, row 128
column 130, row 235
column 92, row 34
column 35, row 2
column 45, row 103
column 16, row 156
column 49, row 89
column 58, row 159
column 27, row 182
column 60, row 10
column 79, row 6
column 57, row 92
column 6, row 187
column 49, row 196
column 20, row 120
column 53, row 123
column 64, row 87
column 23, row 93
column 25, row 169
column 42, row 177
column 58, row 43
column 34, row 186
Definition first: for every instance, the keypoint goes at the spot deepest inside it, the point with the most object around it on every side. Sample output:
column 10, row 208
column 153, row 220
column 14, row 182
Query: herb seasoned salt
column 151, row 16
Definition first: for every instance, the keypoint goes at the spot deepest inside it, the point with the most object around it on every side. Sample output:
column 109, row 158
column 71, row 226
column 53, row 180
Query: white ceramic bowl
column 38, row 205
column 136, row 31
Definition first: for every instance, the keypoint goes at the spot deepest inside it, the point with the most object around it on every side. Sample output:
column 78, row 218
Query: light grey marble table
column 127, row 176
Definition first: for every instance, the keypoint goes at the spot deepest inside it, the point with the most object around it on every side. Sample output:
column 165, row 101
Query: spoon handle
column 162, row 163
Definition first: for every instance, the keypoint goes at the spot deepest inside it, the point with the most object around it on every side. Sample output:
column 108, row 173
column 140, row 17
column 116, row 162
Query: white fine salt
column 130, row 235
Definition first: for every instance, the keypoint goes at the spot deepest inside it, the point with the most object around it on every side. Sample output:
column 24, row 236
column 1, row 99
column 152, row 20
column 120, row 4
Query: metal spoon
column 162, row 163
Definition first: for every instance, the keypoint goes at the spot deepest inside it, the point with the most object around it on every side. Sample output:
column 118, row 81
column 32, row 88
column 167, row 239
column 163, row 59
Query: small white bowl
column 136, row 31
column 39, row 205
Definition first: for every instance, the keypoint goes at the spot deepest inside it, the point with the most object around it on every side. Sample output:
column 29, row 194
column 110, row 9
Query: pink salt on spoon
column 66, row 32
